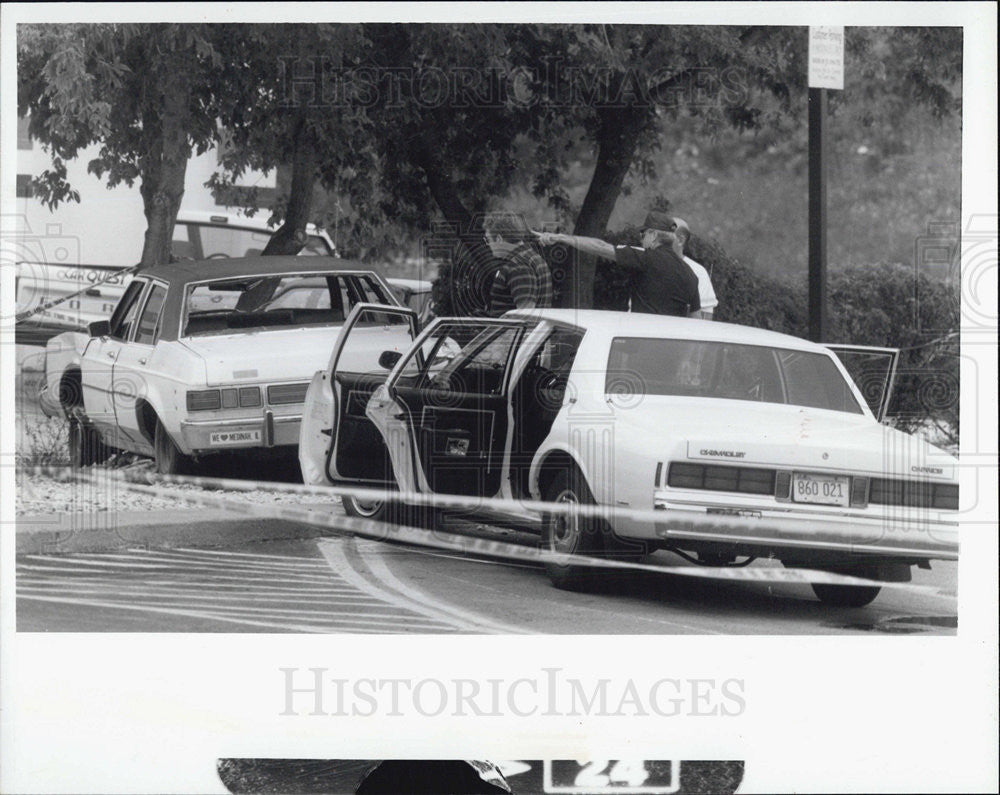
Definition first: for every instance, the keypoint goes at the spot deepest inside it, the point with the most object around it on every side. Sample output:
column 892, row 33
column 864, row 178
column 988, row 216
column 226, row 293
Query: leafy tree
column 283, row 99
column 143, row 92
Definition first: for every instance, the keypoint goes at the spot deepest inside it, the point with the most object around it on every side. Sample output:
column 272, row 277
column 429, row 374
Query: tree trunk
column 463, row 236
column 291, row 235
column 163, row 169
column 617, row 139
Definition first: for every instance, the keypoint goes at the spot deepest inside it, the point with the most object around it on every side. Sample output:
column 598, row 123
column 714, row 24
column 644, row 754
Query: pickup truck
column 198, row 235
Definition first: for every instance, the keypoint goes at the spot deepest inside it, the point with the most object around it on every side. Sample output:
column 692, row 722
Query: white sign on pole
column 826, row 57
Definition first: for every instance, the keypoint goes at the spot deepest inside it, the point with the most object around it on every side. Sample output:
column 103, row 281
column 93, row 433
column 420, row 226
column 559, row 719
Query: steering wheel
column 218, row 255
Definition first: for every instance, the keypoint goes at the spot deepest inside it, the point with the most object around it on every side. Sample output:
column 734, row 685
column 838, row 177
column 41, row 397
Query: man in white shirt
column 705, row 289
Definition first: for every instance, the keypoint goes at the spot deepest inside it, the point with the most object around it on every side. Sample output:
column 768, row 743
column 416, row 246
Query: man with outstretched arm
column 662, row 282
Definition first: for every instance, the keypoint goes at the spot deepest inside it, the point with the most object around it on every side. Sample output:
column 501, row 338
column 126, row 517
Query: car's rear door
column 873, row 370
column 454, row 396
column 131, row 371
column 98, row 359
column 355, row 450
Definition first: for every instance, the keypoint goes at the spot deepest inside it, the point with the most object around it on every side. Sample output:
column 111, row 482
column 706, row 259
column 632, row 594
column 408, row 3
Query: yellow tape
column 383, row 531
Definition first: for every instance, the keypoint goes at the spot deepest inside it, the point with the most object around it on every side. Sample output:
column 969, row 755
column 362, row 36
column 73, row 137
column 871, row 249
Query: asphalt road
column 349, row 584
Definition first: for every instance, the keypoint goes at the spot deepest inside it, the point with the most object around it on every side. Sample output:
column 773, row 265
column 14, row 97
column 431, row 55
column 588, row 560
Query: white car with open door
column 745, row 441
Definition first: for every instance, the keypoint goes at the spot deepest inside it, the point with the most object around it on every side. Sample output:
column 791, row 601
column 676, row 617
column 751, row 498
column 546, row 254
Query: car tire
column 390, row 511
column 169, row 459
column 85, row 445
column 571, row 535
column 845, row 595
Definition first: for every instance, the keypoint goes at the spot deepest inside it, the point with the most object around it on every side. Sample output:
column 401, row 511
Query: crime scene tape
column 46, row 307
column 384, row 531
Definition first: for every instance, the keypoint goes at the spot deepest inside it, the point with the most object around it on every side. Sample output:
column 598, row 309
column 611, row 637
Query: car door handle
column 111, row 354
column 400, row 416
column 142, row 361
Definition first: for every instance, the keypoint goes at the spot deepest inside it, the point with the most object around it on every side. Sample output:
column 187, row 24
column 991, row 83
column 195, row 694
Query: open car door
column 338, row 443
column 445, row 407
column 874, row 372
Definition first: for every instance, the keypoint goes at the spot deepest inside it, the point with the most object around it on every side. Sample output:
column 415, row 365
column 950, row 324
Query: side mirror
column 387, row 360
column 99, row 328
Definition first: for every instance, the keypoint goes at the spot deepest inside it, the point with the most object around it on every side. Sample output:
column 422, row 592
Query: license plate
column 821, row 489
column 221, row 438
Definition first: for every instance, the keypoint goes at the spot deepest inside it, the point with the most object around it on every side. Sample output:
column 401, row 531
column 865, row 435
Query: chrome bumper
column 899, row 532
column 273, row 432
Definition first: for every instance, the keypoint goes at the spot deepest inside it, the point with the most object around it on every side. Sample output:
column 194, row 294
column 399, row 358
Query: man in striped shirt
column 522, row 279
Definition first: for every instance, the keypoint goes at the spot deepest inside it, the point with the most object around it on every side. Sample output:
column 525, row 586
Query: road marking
column 371, row 553
column 298, row 594
column 334, row 553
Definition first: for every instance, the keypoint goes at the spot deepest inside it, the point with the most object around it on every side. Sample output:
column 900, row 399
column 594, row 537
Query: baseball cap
column 658, row 220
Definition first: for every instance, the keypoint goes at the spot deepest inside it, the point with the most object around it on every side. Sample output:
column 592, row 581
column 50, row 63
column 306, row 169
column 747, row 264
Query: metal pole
column 818, row 325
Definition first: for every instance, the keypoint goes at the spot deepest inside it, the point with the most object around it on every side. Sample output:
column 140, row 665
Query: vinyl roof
column 233, row 267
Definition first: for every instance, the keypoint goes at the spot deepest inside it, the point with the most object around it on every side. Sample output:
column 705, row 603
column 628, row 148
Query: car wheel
column 845, row 595
column 390, row 511
column 85, row 445
column 569, row 534
column 169, row 460
column 364, row 509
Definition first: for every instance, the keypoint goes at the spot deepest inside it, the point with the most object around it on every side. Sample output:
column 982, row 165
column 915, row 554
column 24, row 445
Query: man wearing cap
column 662, row 282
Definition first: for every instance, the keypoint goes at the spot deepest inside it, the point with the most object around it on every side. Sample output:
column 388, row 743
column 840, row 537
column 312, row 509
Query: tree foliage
column 142, row 92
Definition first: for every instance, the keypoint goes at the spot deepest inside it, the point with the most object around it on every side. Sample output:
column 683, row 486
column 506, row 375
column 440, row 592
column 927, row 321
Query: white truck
column 198, row 235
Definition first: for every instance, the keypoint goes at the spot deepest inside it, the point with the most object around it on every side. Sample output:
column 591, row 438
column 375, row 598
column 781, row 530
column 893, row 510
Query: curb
column 104, row 531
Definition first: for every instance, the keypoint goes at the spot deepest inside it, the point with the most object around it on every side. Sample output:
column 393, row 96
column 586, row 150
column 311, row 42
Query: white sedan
column 203, row 357
column 746, row 442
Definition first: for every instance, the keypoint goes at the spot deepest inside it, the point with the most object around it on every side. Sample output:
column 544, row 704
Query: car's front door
column 373, row 336
column 873, row 371
column 99, row 358
column 453, row 392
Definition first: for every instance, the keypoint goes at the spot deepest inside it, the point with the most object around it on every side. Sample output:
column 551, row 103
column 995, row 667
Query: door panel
column 454, row 397
column 131, row 368
column 358, row 452
column 98, row 361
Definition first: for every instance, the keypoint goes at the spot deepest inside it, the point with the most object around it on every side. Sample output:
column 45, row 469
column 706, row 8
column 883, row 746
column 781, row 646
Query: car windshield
column 226, row 306
column 727, row 370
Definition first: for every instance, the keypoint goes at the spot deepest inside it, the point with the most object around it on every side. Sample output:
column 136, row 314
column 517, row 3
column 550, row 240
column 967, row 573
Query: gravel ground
column 39, row 494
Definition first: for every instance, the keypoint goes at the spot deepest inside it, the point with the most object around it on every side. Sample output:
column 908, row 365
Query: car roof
column 185, row 272
column 641, row 324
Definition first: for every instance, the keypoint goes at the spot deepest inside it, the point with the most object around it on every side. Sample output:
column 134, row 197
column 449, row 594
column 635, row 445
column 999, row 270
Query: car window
column 124, row 315
column 700, row 368
column 467, row 357
column 226, row 306
column 148, row 327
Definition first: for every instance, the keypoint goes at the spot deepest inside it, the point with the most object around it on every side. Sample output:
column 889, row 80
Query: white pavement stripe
column 111, row 590
column 221, row 574
column 240, row 588
column 371, row 554
column 333, row 551
column 160, row 556
column 257, row 555
column 173, row 612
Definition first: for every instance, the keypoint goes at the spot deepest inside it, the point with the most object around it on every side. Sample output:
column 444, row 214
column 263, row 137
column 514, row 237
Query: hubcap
column 566, row 526
column 367, row 507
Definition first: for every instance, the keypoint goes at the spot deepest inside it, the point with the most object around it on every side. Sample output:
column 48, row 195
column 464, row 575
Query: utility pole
column 826, row 71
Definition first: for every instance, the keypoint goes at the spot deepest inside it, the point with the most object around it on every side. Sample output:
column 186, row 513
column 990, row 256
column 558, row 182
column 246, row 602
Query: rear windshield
column 226, row 306
column 725, row 370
